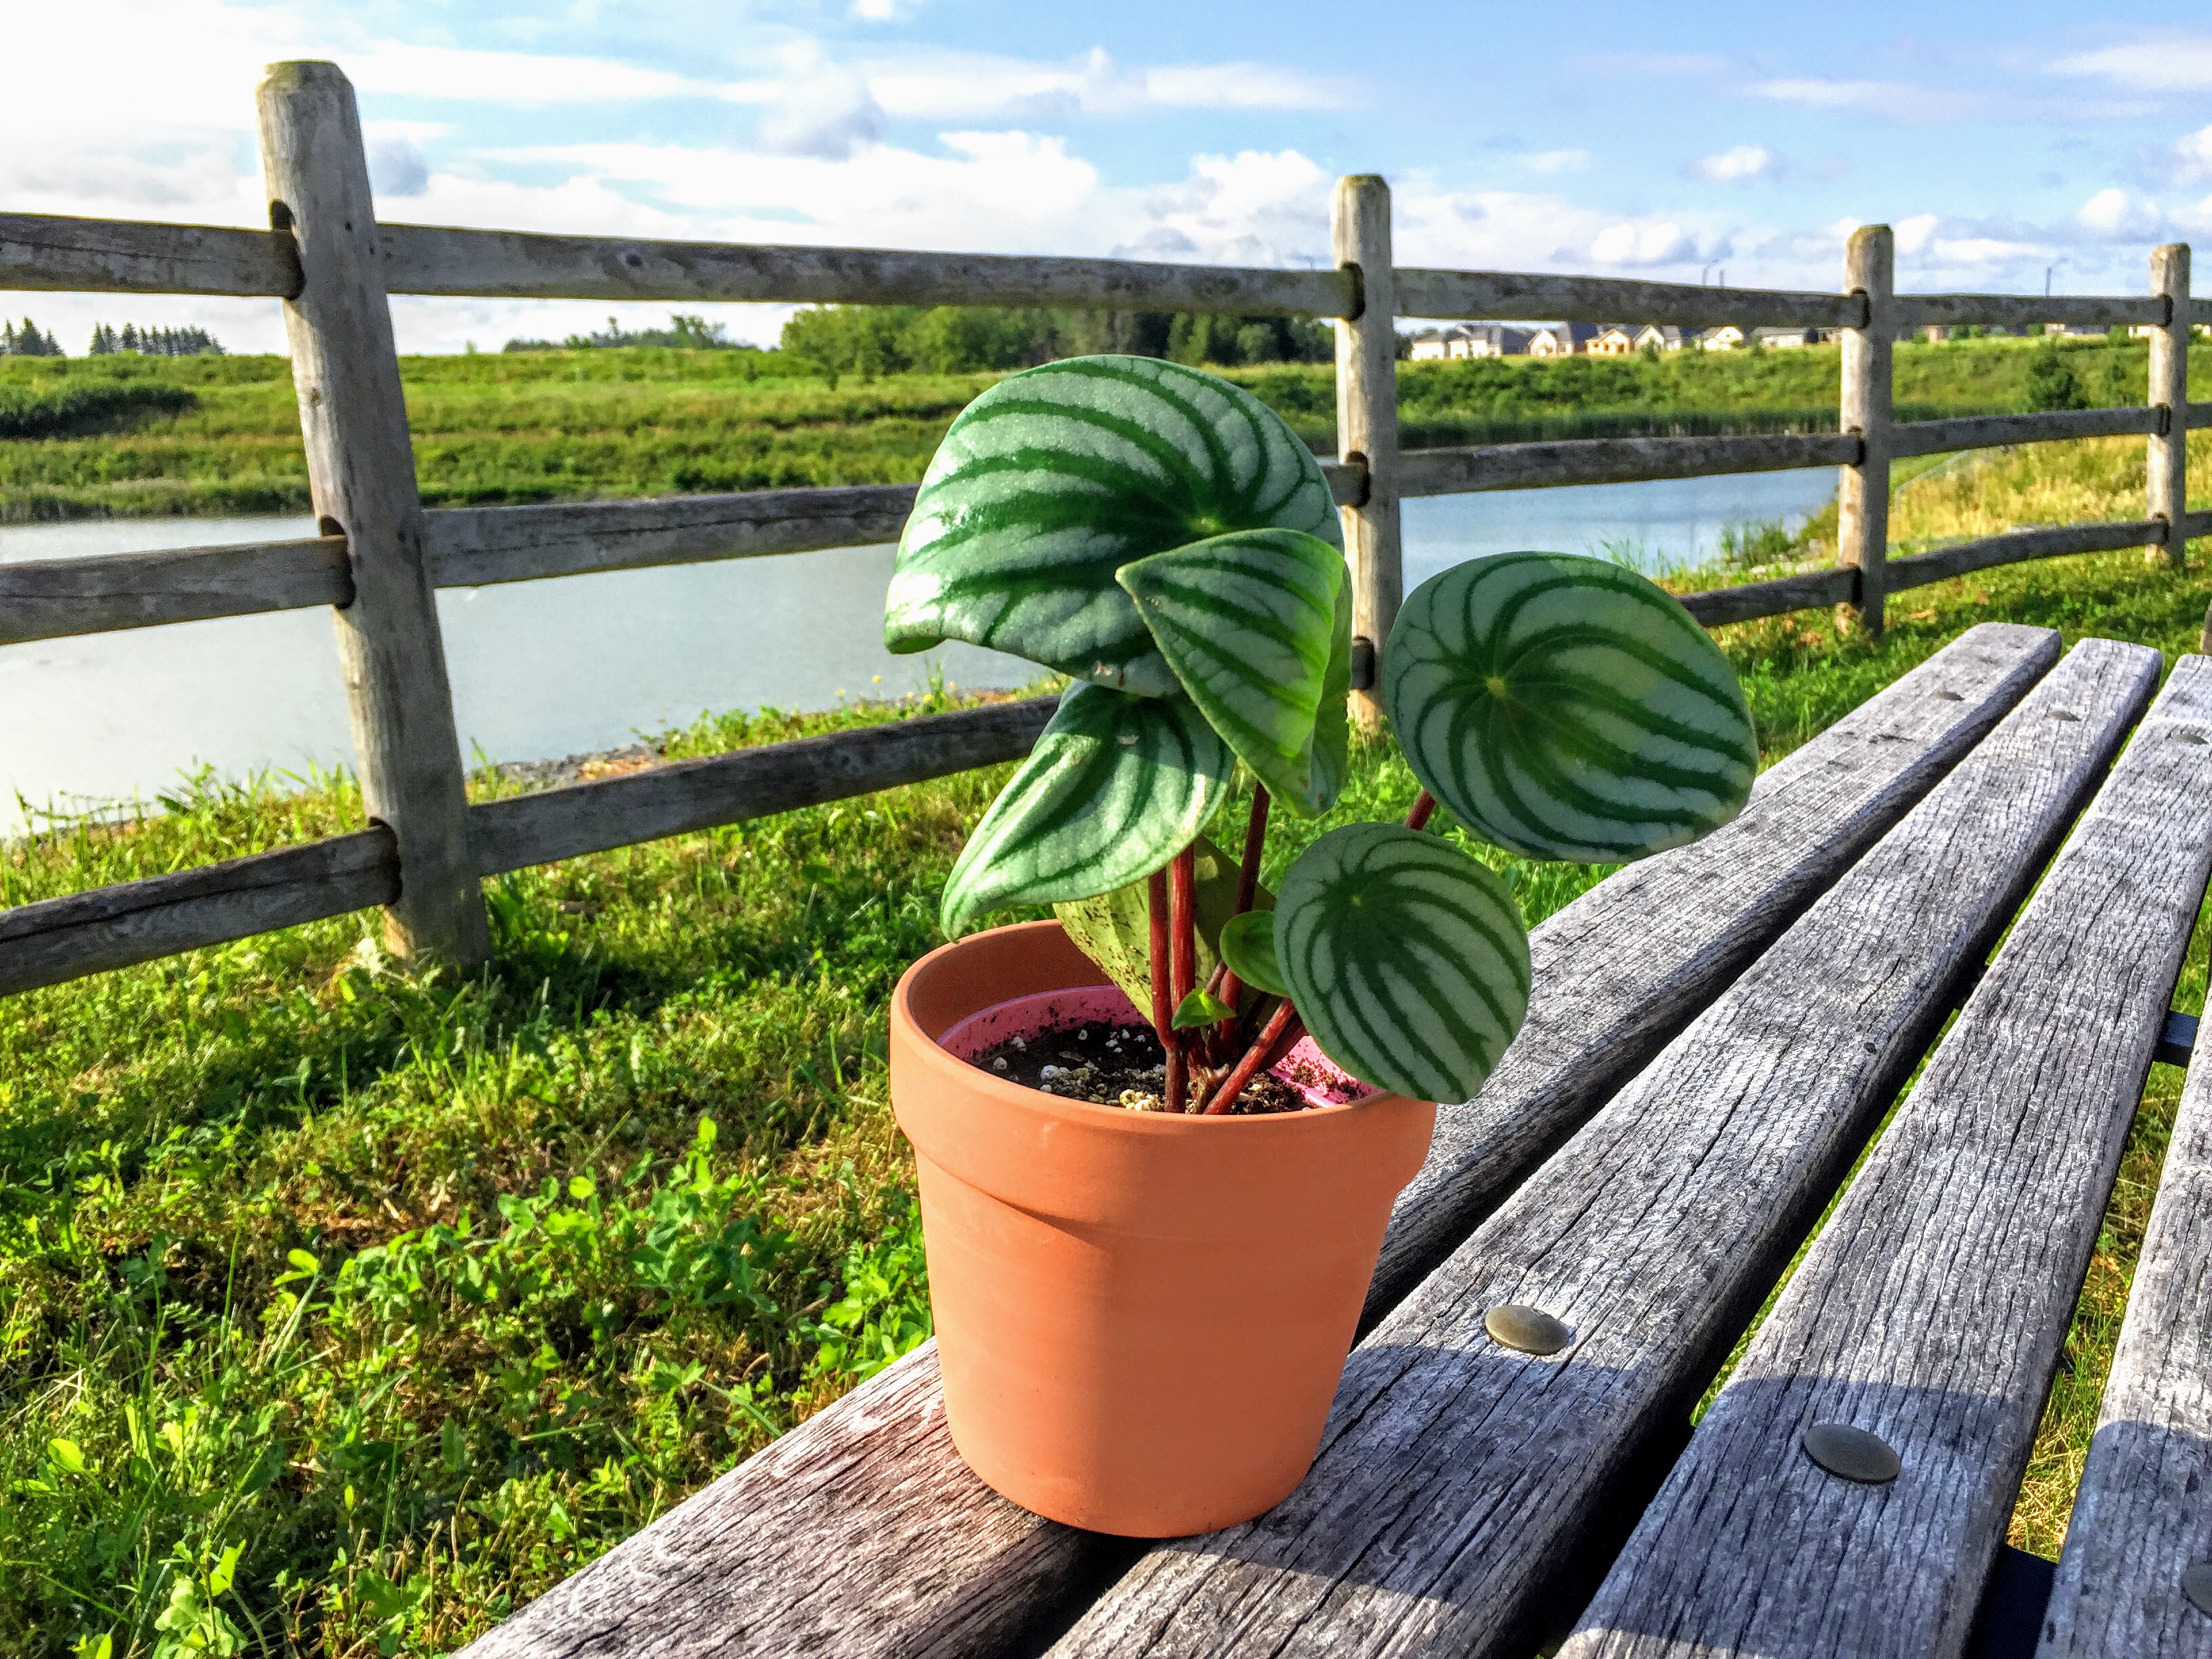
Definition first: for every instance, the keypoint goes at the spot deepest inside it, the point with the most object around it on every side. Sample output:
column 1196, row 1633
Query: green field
column 644, row 421
column 340, row 1313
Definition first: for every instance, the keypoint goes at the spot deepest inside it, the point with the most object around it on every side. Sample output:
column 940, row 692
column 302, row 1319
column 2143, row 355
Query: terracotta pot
column 1141, row 1319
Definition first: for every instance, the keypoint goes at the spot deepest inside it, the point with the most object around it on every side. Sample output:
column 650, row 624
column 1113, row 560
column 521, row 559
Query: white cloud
column 1557, row 160
column 1913, row 235
column 1664, row 243
column 2118, row 216
column 1739, row 164
column 1894, row 101
column 955, row 86
column 829, row 113
column 2195, row 154
column 396, row 168
column 2179, row 63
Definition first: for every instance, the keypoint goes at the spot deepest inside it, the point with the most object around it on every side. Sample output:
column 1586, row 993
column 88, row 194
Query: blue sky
column 1678, row 142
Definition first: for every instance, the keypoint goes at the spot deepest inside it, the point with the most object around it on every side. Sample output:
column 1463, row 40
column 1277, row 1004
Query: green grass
column 342, row 1313
column 643, row 421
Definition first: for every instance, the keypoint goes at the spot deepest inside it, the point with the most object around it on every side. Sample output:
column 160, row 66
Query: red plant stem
column 1248, row 887
column 1418, row 818
column 1270, row 1035
column 1156, row 904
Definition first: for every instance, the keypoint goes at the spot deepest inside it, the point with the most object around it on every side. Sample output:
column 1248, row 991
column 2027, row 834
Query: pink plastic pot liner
column 1305, row 1068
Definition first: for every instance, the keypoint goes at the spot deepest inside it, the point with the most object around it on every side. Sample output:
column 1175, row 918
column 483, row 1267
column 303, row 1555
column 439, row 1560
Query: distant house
column 1785, row 336
column 1470, row 340
column 1612, row 340
column 1936, row 333
column 1727, row 337
column 2079, row 329
column 1562, row 339
column 1666, row 337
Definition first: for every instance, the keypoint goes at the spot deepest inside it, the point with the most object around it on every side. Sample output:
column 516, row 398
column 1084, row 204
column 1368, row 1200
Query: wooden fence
column 382, row 556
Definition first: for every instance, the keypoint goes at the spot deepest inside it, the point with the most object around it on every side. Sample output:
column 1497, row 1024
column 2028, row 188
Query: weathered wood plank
column 62, row 938
column 1631, row 972
column 1546, row 464
column 2199, row 415
column 2013, row 310
column 1515, row 296
column 361, row 468
column 2165, row 464
column 1814, row 590
column 1623, row 969
column 749, row 783
column 523, row 264
column 111, row 256
column 1995, row 431
column 1931, row 1308
column 1367, row 432
column 1458, row 1481
column 51, row 598
column 2140, row 1519
column 2015, row 546
column 1865, row 409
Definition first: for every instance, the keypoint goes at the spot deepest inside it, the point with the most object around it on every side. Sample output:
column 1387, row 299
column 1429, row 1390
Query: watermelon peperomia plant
column 1162, row 537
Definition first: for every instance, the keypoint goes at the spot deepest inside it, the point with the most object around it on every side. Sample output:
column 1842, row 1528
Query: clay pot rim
column 1020, row 1097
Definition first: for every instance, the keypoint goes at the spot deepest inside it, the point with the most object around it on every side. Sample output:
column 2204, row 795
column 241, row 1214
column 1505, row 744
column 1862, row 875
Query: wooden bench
column 1717, row 1033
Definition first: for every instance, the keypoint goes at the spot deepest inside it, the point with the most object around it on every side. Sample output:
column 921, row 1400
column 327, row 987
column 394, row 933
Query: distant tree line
column 869, row 340
column 27, row 341
column 153, row 341
column 690, row 333
column 872, row 340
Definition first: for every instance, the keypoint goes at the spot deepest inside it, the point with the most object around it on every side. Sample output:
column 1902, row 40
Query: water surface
column 550, row 668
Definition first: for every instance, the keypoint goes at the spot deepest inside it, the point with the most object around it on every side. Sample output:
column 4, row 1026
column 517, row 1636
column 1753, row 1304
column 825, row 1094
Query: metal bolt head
column 1530, row 1330
column 1854, row 1454
column 2197, row 1585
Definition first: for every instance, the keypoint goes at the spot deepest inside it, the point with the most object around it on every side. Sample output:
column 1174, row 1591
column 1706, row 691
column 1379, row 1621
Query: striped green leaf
column 1115, row 787
column 1407, row 959
column 1247, row 622
column 1248, row 945
column 1565, row 708
column 1056, row 477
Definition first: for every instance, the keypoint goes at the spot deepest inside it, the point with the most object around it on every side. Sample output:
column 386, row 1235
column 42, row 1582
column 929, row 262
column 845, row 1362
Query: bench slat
column 1931, row 1308
column 1460, row 1483
column 858, row 1567
column 2141, row 1518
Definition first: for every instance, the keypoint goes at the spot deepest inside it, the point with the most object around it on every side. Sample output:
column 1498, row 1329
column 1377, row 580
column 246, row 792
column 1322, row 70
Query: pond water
column 542, row 669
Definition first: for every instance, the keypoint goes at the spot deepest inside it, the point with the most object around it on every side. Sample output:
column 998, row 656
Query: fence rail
column 333, row 265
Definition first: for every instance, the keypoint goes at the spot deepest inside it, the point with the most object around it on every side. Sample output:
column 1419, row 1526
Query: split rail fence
column 381, row 557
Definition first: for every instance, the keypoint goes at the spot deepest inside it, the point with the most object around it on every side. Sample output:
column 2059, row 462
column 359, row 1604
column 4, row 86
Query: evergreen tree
column 2050, row 383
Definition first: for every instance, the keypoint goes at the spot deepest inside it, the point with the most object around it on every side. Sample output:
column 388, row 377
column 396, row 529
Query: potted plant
column 1159, row 1137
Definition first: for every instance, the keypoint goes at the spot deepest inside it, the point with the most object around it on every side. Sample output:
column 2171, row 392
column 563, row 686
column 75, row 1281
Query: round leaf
column 1406, row 957
column 1565, row 708
column 1056, row 477
column 1247, row 622
column 1115, row 787
column 1248, row 945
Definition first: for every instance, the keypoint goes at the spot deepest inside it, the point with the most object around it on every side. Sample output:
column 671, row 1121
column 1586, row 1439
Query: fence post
column 2168, row 469
column 1862, row 495
column 1367, row 428
column 361, row 467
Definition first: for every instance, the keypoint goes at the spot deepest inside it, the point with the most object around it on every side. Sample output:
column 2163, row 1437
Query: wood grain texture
column 361, row 471
column 1622, row 970
column 2140, row 1519
column 1931, row 1308
column 51, row 598
column 63, row 939
column 1519, row 296
column 2199, row 415
column 1367, row 431
column 1458, row 1482
column 1863, row 486
column 1813, row 590
column 904, row 1485
column 2015, row 546
column 2014, row 310
column 521, row 265
column 1995, row 431
column 2165, row 466
column 1616, row 461
column 113, row 255
column 859, row 1533
column 748, row 783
